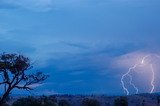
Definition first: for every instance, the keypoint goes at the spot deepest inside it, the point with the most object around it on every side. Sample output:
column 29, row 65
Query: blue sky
column 80, row 42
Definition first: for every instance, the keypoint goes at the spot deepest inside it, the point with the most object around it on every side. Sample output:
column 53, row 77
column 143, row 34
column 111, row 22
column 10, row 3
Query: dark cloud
column 7, row 5
column 82, row 46
column 78, row 41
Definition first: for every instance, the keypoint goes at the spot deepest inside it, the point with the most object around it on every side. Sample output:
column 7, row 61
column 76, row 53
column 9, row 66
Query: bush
column 63, row 103
column 143, row 103
column 31, row 101
column 5, row 104
column 158, row 100
column 122, row 101
column 48, row 101
column 90, row 102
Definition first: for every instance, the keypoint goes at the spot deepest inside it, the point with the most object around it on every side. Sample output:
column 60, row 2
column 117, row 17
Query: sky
column 84, row 45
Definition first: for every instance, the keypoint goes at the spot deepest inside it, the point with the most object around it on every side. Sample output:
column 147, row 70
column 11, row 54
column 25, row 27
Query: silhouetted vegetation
column 87, row 100
column 13, row 69
column 63, row 103
column 5, row 104
column 122, row 101
column 143, row 103
column 90, row 102
column 31, row 101
column 158, row 100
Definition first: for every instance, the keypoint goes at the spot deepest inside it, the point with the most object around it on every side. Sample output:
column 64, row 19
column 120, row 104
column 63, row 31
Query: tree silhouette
column 122, row 101
column 90, row 102
column 13, row 71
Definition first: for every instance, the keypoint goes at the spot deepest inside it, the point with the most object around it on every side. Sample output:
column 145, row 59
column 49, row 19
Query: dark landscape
column 86, row 100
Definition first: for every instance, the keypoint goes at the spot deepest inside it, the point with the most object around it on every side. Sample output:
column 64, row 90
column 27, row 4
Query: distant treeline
column 90, row 100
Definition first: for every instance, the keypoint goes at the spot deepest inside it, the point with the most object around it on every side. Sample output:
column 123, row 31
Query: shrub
column 48, row 101
column 143, row 103
column 90, row 102
column 63, row 103
column 158, row 100
column 5, row 104
column 31, row 101
column 122, row 101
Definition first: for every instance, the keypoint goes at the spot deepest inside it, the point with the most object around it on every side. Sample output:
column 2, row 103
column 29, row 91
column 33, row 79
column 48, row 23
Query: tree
column 158, row 100
column 63, row 103
column 13, row 71
column 48, row 101
column 29, row 101
column 32, row 101
column 90, row 102
column 122, row 101
column 143, row 103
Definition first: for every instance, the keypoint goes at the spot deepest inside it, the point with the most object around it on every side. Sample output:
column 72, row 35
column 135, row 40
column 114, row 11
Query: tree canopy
column 13, row 74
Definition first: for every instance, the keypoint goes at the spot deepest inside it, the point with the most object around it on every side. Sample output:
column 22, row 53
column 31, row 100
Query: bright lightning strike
column 153, row 78
column 127, row 74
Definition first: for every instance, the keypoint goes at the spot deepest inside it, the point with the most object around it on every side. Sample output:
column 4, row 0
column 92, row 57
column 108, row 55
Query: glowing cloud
column 133, row 68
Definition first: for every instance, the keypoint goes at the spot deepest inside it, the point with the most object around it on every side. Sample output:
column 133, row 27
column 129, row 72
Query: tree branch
column 3, row 82
column 23, row 87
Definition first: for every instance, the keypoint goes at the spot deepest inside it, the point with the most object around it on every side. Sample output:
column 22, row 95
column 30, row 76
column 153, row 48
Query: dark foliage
column 13, row 68
column 158, row 100
column 31, row 101
column 63, row 103
column 48, row 101
column 90, row 102
column 143, row 103
column 122, row 101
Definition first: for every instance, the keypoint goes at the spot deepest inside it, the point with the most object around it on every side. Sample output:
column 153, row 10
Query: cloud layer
column 81, row 43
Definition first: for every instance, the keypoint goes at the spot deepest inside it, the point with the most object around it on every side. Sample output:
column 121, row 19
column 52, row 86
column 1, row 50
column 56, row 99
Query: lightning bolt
column 153, row 78
column 127, row 74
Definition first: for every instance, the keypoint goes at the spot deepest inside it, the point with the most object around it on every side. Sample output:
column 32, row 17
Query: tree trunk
column 4, row 97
